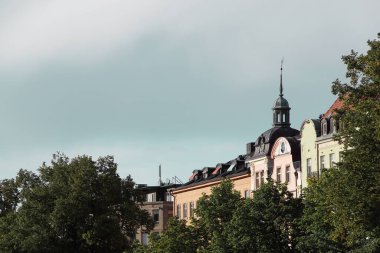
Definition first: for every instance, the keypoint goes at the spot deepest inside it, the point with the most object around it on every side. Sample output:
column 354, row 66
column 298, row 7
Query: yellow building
column 319, row 150
column 310, row 131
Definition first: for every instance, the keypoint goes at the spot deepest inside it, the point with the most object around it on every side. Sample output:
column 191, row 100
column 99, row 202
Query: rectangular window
column 144, row 239
column 179, row 211
column 287, row 174
column 279, row 175
column 151, row 197
column 246, row 194
column 322, row 159
column 191, row 209
column 156, row 215
column 168, row 197
column 184, row 210
column 257, row 180
column 308, row 167
column 324, row 128
column 261, row 177
column 332, row 160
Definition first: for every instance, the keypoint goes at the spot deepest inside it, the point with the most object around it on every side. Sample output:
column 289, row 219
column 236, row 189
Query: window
column 322, row 158
column 191, row 209
column 308, row 167
column 278, row 117
column 287, row 174
column 151, row 197
column 257, row 180
column 168, row 197
column 246, row 194
column 332, row 160
column 279, row 175
column 283, row 117
column 156, row 215
column 144, row 239
column 184, row 210
column 324, row 128
column 179, row 211
column 333, row 126
column 261, row 177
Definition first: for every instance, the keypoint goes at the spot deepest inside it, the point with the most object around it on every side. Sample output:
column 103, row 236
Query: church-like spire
column 282, row 61
column 281, row 107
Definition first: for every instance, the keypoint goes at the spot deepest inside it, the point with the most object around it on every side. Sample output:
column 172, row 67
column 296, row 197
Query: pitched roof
column 335, row 106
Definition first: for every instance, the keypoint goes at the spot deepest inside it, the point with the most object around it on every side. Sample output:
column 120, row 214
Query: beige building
column 201, row 181
column 159, row 203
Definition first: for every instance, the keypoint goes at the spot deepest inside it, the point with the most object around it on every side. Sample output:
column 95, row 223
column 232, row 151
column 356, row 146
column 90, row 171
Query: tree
column 177, row 238
column 77, row 205
column 348, row 199
column 214, row 212
column 266, row 223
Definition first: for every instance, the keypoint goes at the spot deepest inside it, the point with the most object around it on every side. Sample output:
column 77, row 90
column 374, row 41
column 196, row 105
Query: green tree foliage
column 77, row 205
column 177, row 238
column 226, row 223
column 215, row 211
column 266, row 223
column 347, row 201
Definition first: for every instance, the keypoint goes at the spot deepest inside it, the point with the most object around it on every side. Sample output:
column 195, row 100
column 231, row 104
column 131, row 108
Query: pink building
column 276, row 152
column 286, row 157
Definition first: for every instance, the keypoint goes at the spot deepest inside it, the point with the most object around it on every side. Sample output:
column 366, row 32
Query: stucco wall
column 192, row 194
column 327, row 147
column 308, row 150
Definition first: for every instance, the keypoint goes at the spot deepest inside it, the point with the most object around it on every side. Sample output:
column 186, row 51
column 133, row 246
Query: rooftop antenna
column 282, row 61
column 159, row 175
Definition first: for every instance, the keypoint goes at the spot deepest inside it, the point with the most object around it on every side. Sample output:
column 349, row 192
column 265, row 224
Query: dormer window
column 334, row 126
column 324, row 127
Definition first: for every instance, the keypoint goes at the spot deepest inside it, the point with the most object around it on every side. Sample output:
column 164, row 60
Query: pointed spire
column 282, row 61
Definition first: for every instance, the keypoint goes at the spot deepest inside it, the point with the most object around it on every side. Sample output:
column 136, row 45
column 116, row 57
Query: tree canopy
column 77, row 205
column 342, row 207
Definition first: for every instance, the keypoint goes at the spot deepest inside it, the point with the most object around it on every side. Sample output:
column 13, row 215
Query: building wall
column 192, row 194
column 326, row 148
column 283, row 160
column 258, row 166
column 308, row 150
column 165, row 211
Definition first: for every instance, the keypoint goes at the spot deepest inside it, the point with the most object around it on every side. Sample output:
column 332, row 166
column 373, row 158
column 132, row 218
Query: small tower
column 281, row 108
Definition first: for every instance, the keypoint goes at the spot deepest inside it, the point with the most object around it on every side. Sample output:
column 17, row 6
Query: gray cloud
column 182, row 85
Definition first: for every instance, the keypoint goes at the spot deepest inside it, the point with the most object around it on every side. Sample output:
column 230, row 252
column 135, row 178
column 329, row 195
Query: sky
column 184, row 84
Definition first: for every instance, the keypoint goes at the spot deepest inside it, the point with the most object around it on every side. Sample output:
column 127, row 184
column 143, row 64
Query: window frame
column 322, row 162
column 278, row 174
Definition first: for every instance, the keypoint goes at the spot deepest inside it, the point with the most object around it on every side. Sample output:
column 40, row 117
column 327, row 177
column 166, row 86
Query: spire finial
column 282, row 61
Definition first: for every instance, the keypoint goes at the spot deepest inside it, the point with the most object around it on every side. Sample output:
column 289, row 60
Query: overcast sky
column 185, row 84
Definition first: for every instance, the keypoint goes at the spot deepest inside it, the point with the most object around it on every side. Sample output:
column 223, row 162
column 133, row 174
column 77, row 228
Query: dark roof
column 265, row 141
column 281, row 102
column 295, row 147
column 233, row 168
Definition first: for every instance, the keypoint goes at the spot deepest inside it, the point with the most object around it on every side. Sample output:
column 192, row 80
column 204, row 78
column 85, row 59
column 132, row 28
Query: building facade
column 276, row 152
column 274, row 155
column 159, row 203
column 319, row 150
column 201, row 181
